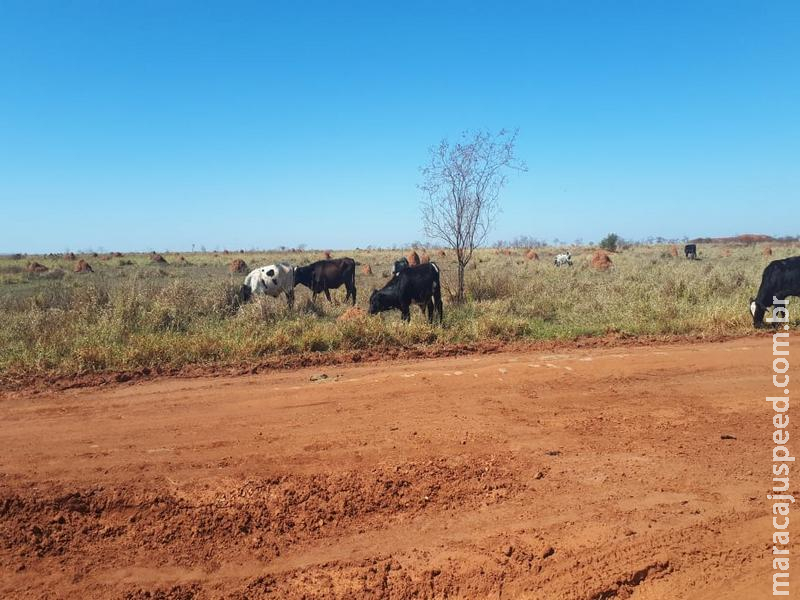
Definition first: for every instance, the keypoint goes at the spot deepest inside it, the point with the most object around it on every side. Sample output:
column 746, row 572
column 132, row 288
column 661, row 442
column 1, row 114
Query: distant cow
column 413, row 285
column 690, row 250
column 271, row 280
column 781, row 278
column 399, row 265
column 325, row 275
column 563, row 259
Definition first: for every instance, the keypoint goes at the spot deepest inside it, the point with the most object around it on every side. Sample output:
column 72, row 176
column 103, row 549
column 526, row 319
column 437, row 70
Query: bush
column 610, row 242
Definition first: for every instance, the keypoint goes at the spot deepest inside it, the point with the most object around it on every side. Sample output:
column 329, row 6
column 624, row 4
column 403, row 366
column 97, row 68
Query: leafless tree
column 462, row 183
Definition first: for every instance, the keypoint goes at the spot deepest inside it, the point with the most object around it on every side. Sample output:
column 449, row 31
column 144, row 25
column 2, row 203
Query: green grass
column 131, row 314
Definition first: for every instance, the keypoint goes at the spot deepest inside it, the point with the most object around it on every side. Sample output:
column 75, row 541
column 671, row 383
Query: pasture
column 132, row 313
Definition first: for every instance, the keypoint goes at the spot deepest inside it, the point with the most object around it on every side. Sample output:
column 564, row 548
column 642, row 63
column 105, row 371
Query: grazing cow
column 563, row 259
column 690, row 250
column 270, row 280
column 325, row 275
column 780, row 279
column 413, row 285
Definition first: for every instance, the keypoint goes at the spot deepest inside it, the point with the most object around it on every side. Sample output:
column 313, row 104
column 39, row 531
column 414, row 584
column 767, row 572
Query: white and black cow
column 690, row 250
column 781, row 279
column 271, row 280
column 412, row 285
column 563, row 259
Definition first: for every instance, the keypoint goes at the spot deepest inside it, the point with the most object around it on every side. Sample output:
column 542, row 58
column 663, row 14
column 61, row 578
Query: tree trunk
column 461, row 268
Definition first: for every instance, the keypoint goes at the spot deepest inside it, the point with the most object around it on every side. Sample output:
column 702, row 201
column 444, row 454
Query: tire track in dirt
column 478, row 477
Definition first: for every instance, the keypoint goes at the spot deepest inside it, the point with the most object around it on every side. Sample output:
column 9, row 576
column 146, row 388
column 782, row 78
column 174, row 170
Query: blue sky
column 161, row 124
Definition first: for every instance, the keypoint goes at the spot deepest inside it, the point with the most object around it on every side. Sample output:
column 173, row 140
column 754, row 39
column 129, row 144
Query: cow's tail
column 437, row 293
column 245, row 292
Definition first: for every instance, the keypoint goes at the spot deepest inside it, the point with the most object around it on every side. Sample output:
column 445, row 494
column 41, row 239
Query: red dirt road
column 588, row 474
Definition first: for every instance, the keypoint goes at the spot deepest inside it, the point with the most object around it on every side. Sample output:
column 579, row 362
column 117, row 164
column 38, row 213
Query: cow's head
column 400, row 265
column 758, row 312
column 379, row 301
column 245, row 293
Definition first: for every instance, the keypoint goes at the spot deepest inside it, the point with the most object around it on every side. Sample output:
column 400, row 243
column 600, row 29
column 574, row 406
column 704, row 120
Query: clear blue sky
column 161, row 124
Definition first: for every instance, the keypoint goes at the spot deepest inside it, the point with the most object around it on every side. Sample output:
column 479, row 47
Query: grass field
column 131, row 313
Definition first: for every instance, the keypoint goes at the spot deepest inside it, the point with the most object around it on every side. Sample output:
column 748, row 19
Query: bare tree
column 462, row 183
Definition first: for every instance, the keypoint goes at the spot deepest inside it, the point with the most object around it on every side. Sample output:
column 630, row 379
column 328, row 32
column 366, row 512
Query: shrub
column 610, row 242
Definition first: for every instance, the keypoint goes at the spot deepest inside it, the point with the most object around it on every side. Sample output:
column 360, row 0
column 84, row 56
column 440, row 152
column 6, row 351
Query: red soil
column 35, row 267
column 568, row 476
column 237, row 266
column 601, row 260
column 82, row 267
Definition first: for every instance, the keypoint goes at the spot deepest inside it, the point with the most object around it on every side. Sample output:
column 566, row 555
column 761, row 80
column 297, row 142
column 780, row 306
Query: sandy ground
column 589, row 474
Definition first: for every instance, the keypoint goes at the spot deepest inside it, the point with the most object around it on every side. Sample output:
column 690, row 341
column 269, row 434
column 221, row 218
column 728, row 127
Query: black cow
column 690, row 250
column 325, row 275
column 399, row 265
column 781, row 278
column 412, row 285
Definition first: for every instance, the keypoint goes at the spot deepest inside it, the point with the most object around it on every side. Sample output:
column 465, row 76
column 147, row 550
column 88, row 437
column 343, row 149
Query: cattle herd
column 420, row 284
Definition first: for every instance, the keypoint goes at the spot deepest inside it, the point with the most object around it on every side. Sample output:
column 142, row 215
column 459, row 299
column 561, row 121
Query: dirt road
column 589, row 474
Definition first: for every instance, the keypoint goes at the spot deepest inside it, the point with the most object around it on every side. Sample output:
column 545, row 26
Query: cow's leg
column 351, row 291
column 328, row 295
column 430, row 310
column 290, row 298
column 405, row 310
column 437, row 301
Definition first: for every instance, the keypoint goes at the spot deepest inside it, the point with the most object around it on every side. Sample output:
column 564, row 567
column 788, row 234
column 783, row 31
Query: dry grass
column 132, row 313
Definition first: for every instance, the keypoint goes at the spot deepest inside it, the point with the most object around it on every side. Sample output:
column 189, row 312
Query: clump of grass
column 491, row 285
